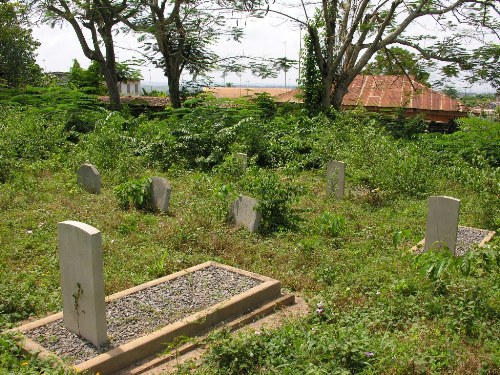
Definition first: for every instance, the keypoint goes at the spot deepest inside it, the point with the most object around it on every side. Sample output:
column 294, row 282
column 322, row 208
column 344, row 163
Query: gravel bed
column 148, row 310
column 468, row 237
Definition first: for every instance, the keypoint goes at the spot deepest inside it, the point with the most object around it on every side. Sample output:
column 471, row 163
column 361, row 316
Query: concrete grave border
column 193, row 325
column 419, row 247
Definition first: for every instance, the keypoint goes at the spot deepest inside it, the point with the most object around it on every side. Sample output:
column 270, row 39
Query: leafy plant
column 134, row 193
column 331, row 225
column 275, row 197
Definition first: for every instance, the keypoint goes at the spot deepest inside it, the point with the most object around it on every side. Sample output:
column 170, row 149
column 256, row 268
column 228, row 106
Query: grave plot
column 141, row 321
column 443, row 231
column 106, row 334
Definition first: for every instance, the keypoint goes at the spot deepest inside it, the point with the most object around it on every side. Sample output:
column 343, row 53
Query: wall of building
column 129, row 88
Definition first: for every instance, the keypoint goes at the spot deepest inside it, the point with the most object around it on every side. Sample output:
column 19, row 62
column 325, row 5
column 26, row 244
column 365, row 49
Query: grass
column 382, row 313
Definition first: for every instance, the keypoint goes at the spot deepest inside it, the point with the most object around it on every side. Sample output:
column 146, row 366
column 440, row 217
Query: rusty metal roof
column 397, row 92
column 389, row 92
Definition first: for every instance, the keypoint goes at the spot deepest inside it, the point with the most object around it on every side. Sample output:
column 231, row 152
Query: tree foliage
column 346, row 34
column 398, row 61
column 17, row 48
column 178, row 36
column 99, row 18
column 91, row 79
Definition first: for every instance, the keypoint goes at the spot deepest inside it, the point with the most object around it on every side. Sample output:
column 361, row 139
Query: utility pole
column 285, row 64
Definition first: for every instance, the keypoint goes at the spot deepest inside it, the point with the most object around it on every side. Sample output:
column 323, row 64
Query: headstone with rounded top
column 442, row 223
column 243, row 212
column 82, row 280
column 335, row 178
column 160, row 194
column 89, row 178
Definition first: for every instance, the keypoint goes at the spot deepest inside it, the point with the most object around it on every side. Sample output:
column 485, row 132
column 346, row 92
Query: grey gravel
column 467, row 238
column 143, row 312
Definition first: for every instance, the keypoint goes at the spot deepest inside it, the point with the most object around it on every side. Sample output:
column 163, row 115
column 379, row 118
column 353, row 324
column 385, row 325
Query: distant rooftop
column 237, row 92
column 376, row 93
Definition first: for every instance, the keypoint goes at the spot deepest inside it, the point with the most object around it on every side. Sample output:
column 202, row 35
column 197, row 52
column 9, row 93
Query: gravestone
column 241, row 159
column 442, row 223
column 335, row 178
column 160, row 190
column 243, row 212
column 82, row 280
column 89, row 178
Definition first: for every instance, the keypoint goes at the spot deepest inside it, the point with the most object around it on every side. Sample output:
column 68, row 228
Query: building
column 382, row 93
column 130, row 88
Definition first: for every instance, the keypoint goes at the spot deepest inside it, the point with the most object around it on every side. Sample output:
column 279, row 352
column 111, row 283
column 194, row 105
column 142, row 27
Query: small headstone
column 243, row 212
column 442, row 223
column 82, row 280
column 89, row 178
column 335, row 178
column 241, row 159
column 160, row 194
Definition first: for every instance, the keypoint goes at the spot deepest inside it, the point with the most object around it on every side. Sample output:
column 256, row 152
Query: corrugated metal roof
column 397, row 92
column 389, row 92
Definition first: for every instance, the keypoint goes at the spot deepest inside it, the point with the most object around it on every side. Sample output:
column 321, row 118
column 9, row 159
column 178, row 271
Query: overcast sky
column 270, row 36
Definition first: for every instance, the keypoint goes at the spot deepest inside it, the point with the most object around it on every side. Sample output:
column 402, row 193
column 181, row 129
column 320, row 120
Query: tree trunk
column 173, row 89
column 108, row 69
column 326, row 91
column 112, row 84
column 337, row 96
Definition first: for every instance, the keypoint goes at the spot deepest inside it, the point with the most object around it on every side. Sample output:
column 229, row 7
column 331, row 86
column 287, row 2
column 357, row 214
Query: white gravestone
column 160, row 194
column 82, row 280
column 335, row 178
column 243, row 213
column 442, row 223
column 242, row 160
column 89, row 178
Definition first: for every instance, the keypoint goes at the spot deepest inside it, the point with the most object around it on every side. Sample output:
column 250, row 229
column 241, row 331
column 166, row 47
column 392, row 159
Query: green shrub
column 477, row 138
column 134, row 193
column 275, row 197
column 26, row 137
column 330, row 224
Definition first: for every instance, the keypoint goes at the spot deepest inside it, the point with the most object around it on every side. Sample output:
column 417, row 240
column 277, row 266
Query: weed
column 134, row 193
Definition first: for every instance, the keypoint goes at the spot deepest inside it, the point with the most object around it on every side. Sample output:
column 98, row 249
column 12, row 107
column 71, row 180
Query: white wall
column 130, row 88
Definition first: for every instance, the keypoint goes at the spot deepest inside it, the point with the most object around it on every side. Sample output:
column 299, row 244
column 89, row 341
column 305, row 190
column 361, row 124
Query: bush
column 27, row 137
column 275, row 197
column 134, row 193
column 476, row 138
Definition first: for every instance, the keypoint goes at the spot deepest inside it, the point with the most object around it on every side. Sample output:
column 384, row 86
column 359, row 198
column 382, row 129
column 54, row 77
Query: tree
column 90, row 79
column 17, row 48
column 346, row 34
column 100, row 18
column 397, row 61
column 183, row 31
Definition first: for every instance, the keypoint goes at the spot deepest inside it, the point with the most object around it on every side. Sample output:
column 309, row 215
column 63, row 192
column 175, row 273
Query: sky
column 270, row 37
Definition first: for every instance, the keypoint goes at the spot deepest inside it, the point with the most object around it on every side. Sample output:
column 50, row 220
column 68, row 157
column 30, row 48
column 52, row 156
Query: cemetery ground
column 376, row 307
